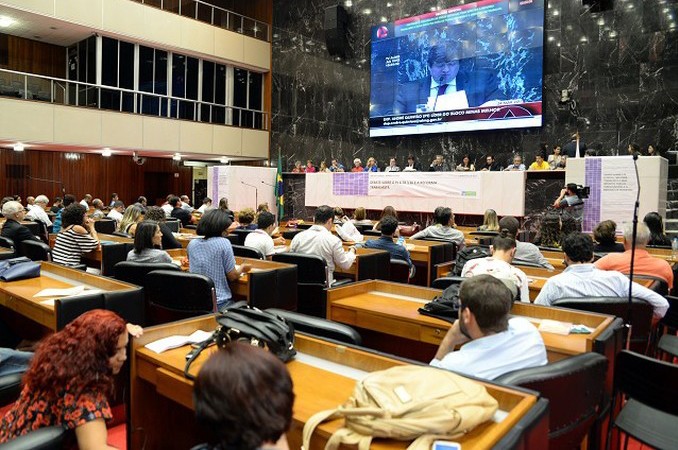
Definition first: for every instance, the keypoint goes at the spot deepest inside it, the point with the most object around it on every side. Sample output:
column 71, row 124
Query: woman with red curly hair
column 70, row 378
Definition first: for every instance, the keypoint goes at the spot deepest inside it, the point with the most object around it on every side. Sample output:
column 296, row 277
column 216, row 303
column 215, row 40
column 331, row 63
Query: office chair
column 667, row 327
column 241, row 234
column 233, row 239
column 445, row 282
column 574, row 388
column 400, row 271
column 650, row 413
column 289, row 234
column 127, row 304
column 174, row 295
column 49, row 438
column 135, row 272
column 274, row 289
column 316, row 326
column 111, row 254
column 8, row 244
column 174, row 225
column 105, row 226
column 247, row 252
column 36, row 250
column 122, row 234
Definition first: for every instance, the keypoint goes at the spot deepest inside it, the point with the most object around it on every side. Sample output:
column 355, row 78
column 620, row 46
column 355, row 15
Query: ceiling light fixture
column 18, row 147
column 223, row 160
column 5, row 21
column 106, row 152
column 176, row 157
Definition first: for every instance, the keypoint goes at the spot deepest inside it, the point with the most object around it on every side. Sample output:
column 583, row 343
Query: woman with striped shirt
column 77, row 236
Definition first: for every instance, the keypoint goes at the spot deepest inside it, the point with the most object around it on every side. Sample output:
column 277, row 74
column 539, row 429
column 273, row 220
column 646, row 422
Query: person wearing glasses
column 12, row 229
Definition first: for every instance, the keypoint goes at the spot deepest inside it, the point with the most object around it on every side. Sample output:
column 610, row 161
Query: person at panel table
column 517, row 164
column 336, row 166
column 70, row 379
column 298, row 168
column 539, row 163
column 357, row 166
column 447, row 78
column 438, row 164
column 557, row 160
column 392, row 165
column 466, row 165
column 310, row 168
column 371, row 165
column 490, row 165
column 412, row 164
column 323, row 167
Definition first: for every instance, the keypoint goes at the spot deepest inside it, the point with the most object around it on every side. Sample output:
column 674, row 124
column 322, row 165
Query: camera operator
column 571, row 204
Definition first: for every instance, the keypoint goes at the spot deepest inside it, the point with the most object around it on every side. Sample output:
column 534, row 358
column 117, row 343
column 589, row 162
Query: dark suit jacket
column 18, row 233
column 183, row 215
column 570, row 149
column 481, row 85
column 168, row 239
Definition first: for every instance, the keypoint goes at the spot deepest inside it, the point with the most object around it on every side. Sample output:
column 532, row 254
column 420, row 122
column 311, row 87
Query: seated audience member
column 389, row 225
column 86, row 201
column 263, row 207
column 338, row 215
column 319, row 240
column 604, row 235
column 37, row 213
column 490, row 164
column 438, row 164
column 517, row 164
column 490, row 221
column 392, row 165
column 654, row 223
column 68, row 200
column 371, row 165
column 261, row 238
column 206, row 204
column 539, row 163
column 442, row 229
column 243, row 398
column 57, row 205
column 128, row 224
column 643, row 263
column 581, row 278
column 360, row 217
column 499, row 266
column 310, row 168
column 492, row 344
column 147, row 243
column 525, row 251
column 387, row 211
column 213, row 256
column 466, row 165
column 246, row 219
column 634, row 149
column 14, row 213
column 357, row 166
column 114, row 198
column 186, row 203
column 178, row 212
column 167, row 207
column 298, row 168
column 98, row 206
column 223, row 205
column 156, row 214
column 116, row 211
column 412, row 164
column 30, row 200
column 336, row 166
column 557, row 160
column 71, row 378
column 142, row 203
column 77, row 236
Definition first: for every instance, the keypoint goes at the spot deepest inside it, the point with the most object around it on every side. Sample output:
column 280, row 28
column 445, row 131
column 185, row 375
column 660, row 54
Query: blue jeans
column 14, row 361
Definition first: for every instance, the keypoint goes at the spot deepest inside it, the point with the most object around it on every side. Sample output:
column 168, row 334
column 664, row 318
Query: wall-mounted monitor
column 476, row 66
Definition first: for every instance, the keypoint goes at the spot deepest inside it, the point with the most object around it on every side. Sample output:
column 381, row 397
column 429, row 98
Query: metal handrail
column 171, row 102
column 229, row 22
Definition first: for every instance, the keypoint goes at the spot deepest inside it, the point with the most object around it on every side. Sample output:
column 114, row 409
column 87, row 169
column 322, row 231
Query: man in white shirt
column 525, row 251
column 491, row 343
column 116, row 211
column 87, row 199
column 499, row 266
column 37, row 212
column 261, row 237
column 30, row 201
column 98, row 205
column 319, row 240
column 206, row 204
column 582, row 279
column 186, row 203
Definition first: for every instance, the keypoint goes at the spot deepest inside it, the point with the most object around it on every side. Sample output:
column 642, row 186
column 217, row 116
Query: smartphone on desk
column 445, row 445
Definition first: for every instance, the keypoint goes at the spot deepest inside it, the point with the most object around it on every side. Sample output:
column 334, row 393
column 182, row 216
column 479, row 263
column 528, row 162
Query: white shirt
column 318, row 240
column 451, row 87
column 37, row 213
column 204, row 208
column 168, row 209
column 115, row 215
column 260, row 240
column 187, row 207
column 498, row 269
column 84, row 203
column 519, row 347
column 586, row 280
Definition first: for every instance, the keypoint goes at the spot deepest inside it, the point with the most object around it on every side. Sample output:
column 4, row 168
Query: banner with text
column 438, row 184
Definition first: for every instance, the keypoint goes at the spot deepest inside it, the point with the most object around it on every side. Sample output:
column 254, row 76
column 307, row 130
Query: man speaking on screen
column 449, row 86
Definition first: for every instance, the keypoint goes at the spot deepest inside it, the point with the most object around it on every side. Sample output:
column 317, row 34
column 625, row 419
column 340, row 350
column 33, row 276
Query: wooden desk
column 158, row 385
column 185, row 238
column 19, row 295
column 390, row 310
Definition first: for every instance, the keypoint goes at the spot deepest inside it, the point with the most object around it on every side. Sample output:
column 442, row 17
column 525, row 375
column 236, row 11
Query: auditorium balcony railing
column 213, row 15
column 73, row 93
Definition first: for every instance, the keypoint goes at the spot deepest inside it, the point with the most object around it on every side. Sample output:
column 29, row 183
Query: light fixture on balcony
column 106, row 152
column 223, row 160
column 72, row 156
column 176, row 157
column 6, row 21
column 18, row 147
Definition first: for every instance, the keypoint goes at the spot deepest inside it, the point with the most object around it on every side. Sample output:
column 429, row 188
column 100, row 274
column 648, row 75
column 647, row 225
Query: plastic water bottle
column 674, row 248
column 401, row 241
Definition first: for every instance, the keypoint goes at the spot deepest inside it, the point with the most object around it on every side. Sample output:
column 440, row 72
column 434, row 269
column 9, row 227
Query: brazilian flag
column 279, row 191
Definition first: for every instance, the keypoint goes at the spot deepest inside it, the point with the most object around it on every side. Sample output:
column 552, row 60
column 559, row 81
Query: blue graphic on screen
column 469, row 67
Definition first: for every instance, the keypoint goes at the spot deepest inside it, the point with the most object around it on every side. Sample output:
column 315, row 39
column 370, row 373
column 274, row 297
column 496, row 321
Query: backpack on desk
column 405, row 403
column 466, row 254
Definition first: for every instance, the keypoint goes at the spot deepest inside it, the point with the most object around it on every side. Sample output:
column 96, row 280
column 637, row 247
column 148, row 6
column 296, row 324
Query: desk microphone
column 256, row 192
column 440, row 83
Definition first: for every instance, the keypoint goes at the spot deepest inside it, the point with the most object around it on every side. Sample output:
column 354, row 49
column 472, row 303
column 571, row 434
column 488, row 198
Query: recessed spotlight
column 223, row 160
column 18, row 147
column 177, row 157
column 106, row 152
column 6, row 21
column 367, row 11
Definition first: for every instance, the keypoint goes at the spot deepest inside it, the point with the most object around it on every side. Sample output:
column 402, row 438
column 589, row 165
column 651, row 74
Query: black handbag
column 244, row 323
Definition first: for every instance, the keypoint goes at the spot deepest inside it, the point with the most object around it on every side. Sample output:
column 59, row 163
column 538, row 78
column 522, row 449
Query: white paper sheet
column 175, row 341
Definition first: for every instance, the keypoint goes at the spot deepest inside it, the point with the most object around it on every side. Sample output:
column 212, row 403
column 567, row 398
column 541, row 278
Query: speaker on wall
column 336, row 26
column 598, row 5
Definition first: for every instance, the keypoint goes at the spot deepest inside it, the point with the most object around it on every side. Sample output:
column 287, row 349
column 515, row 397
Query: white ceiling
column 44, row 29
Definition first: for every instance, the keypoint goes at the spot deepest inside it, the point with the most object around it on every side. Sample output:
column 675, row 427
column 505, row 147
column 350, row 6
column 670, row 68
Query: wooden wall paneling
column 26, row 55
column 89, row 174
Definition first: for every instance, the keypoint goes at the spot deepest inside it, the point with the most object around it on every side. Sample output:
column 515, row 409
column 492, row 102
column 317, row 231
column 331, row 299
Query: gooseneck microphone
column 256, row 192
column 636, row 206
